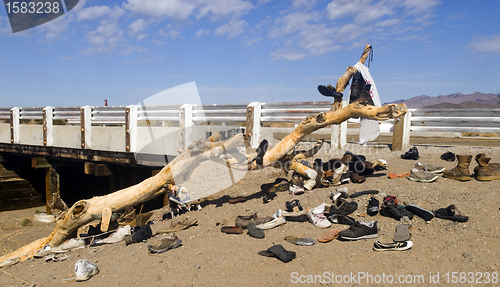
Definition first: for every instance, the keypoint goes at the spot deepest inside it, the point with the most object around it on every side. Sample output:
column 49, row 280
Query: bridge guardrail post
column 48, row 126
column 14, row 125
column 86, row 127
column 401, row 132
column 185, row 124
column 131, row 128
column 254, row 111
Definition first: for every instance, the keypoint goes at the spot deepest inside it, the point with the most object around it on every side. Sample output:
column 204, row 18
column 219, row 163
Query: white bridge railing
column 49, row 124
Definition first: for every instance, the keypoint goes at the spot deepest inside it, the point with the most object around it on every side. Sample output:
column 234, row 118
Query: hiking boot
column 360, row 89
column 412, row 153
column 461, row 171
column 486, row 170
column 421, row 176
column 448, row 156
column 430, row 168
column 360, row 230
column 395, row 211
column 372, row 207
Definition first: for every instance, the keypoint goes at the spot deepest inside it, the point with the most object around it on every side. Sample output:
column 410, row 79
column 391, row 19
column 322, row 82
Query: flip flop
column 300, row 241
column 106, row 217
column 396, row 175
column 328, row 236
column 402, row 233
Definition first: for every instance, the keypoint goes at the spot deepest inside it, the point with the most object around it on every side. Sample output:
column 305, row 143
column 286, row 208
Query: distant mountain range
column 453, row 101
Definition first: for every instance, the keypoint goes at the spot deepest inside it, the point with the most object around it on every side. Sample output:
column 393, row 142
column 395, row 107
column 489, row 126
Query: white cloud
column 232, row 28
column 339, row 9
column 253, row 41
column 92, row 13
column 223, row 8
column 307, row 4
column 202, row 32
column 291, row 23
column 176, row 9
column 487, row 44
column 137, row 27
column 66, row 58
column 104, row 39
column 288, row 55
column 169, row 32
column 420, row 6
column 157, row 43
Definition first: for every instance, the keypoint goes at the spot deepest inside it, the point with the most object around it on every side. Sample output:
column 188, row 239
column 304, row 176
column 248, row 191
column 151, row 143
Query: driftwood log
column 80, row 213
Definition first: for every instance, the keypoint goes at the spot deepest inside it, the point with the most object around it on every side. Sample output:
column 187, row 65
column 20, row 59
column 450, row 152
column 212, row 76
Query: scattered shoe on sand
column 421, row 176
column 255, row 231
column 279, row 252
column 461, row 171
column 402, row 233
column 302, row 241
column 328, row 236
column 396, row 246
column 450, row 213
column 360, row 230
column 166, row 244
column 232, row 229
column 84, row 270
column 430, row 168
column 425, row 214
column 412, row 153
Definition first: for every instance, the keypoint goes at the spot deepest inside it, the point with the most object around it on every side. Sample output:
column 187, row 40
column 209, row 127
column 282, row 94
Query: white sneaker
column 85, row 269
column 317, row 217
column 337, row 174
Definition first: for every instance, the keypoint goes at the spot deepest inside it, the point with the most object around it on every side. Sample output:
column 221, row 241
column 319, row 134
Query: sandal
column 451, row 213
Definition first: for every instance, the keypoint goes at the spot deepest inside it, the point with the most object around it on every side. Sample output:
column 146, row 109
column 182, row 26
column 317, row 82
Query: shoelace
column 319, row 217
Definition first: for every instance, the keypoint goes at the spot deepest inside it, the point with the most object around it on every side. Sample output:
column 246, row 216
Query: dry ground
column 211, row 258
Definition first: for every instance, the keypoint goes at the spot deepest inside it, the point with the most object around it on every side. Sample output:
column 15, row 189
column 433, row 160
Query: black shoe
column 395, row 211
column 412, row 153
column 360, row 230
column 448, row 156
column 341, row 219
column 329, row 91
column 420, row 212
column 360, row 89
column 140, row 235
column 343, row 207
column 373, row 208
column 268, row 196
column 290, row 205
column 261, row 150
column 301, row 218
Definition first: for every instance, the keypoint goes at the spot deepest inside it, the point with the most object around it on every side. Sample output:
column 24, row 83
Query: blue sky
column 240, row 51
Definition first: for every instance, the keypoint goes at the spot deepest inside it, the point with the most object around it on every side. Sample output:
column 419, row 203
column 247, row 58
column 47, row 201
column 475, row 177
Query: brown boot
column 486, row 170
column 461, row 171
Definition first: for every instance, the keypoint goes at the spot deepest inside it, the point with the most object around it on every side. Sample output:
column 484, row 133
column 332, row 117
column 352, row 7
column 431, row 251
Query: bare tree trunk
column 80, row 213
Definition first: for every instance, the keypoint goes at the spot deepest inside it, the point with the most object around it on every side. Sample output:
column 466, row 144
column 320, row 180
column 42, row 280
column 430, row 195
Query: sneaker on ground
column 395, row 211
column 421, row 176
column 430, row 168
column 317, row 217
column 373, row 205
column 396, row 246
column 360, row 230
